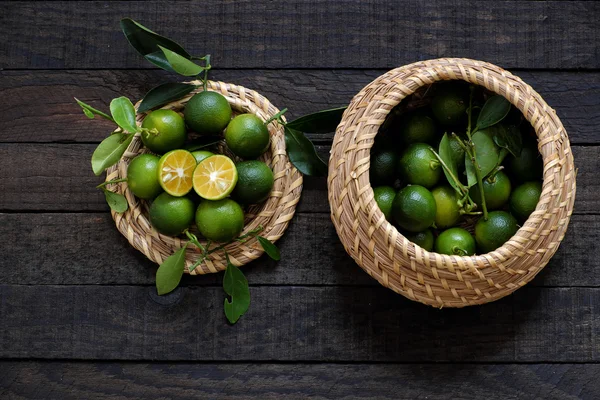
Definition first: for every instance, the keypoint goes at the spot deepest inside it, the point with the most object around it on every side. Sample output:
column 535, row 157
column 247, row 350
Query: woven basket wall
column 385, row 254
column 273, row 214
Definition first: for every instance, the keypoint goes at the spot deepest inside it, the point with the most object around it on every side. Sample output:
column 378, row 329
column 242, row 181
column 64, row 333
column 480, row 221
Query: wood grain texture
column 306, row 33
column 58, row 177
column 54, row 116
column 121, row 381
column 295, row 324
column 86, row 249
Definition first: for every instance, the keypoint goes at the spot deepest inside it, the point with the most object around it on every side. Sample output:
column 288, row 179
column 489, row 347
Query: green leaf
column 236, row 286
column 180, row 64
column 448, row 156
column 146, row 43
column 494, row 110
column 320, row 122
column 123, row 112
column 90, row 111
column 163, row 94
column 203, row 142
column 117, row 202
column 170, row 271
column 302, row 153
column 509, row 138
column 109, row 151
column 486, row 156
column 269, row 248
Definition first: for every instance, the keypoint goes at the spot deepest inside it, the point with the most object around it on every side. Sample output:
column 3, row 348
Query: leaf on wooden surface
column 235, row 285
column 302, row 153
column 90, row 111
column 123, row 112
column 320, row 122
column 180, row 64
column 163, row 94
column 170, row 272
column 269, row 248
column 117, row 202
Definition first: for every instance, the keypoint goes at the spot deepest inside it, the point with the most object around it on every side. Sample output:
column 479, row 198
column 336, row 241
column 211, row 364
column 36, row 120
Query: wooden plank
column 86, row 249
column 25, row 379
column 54, row 116
column 306, row 33
column 58, row 177
column 295, row 323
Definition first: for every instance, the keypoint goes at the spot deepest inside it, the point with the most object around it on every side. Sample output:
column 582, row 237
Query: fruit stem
column 194, row 240
column 277, row 117
column 463, row 190
column 472, row 89
column 206, row 68
column 111, row 182
column 477, row 168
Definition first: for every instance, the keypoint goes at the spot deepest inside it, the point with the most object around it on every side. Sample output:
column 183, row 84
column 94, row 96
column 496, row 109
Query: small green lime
column 496, row 190
column 142, row 176
column 419, row 166
column 423, row 239
column 200, row 155
column 524, row 199
column 455, row 242
column 247, row 136
column 448, row 210
column 414, row 208
column 171, row 131
column 171, row 215
column 418, row 127
column 450, row 103
column 528, row 166
column 383, row 168
column 220, row 220
column 384, row 197
column 493, row 233
column 254, row 184
column 207, row 113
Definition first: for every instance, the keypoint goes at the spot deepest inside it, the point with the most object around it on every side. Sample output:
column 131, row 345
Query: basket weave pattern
column 385, row 254
column 273, row 214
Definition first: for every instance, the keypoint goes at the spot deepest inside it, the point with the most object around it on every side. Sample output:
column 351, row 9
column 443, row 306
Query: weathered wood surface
column 86, row 249
column 121, row 381
column 305, row 33
column 42, row 107
column 295, row 324
column 58, row 177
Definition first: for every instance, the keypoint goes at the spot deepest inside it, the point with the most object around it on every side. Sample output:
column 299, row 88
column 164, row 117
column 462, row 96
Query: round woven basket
column 385, row 254
column 273, row 214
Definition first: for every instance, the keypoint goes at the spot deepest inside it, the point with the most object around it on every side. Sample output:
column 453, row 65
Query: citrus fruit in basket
column 450, row 103
column 418, row 127
column 247, row 136
column 255, row 181
column 200, row 155
column 528, row 166
column 418, row 165
column 171, row 131
column 215, row 177
column 496, row 190
column 447, row 208
column 493, row 233
column 142, row 176
column 220, row 220
column 384, row 197
column 175, row 170
column 524, row 199
column 455, row 242
column 207, row 113
column 414, row 208
column 171, row 215
column 383, row 168
column 424, row 239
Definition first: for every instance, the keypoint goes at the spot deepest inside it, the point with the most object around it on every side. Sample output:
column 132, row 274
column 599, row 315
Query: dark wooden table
column 78, row 318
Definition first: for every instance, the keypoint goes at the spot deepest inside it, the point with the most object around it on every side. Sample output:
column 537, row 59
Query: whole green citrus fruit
column 496, row 190
column 450, row 103
column 200, row 155
column 423, row 239
column 247, row 136
column 142, row 176
column 384, row 197
column 448, row 210
column 418, row 127
column 414, row 208
column 171, row 131
column 171, row 215
column 220, row 220
column 383, row 168
column 524, row 199
column 455, row 242
column 528, row 166
column 207, row 113
column 419, row 166
column 254, row 184
column 493, row 233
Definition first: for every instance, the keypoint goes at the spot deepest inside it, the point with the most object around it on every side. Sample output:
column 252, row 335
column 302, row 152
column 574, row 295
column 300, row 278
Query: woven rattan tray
column 273, row 215
column 383, row 252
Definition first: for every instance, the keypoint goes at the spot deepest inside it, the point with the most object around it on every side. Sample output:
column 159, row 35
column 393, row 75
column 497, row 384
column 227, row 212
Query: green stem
column 277, row 117
column 472, row 89
column 194, row 240
column 463, row 190
column 100, row 186
column 206, row 68
column 473, row 156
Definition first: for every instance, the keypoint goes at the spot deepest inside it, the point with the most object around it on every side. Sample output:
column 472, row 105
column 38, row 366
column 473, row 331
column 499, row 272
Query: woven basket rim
column 274, row 214
column 351, row 195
